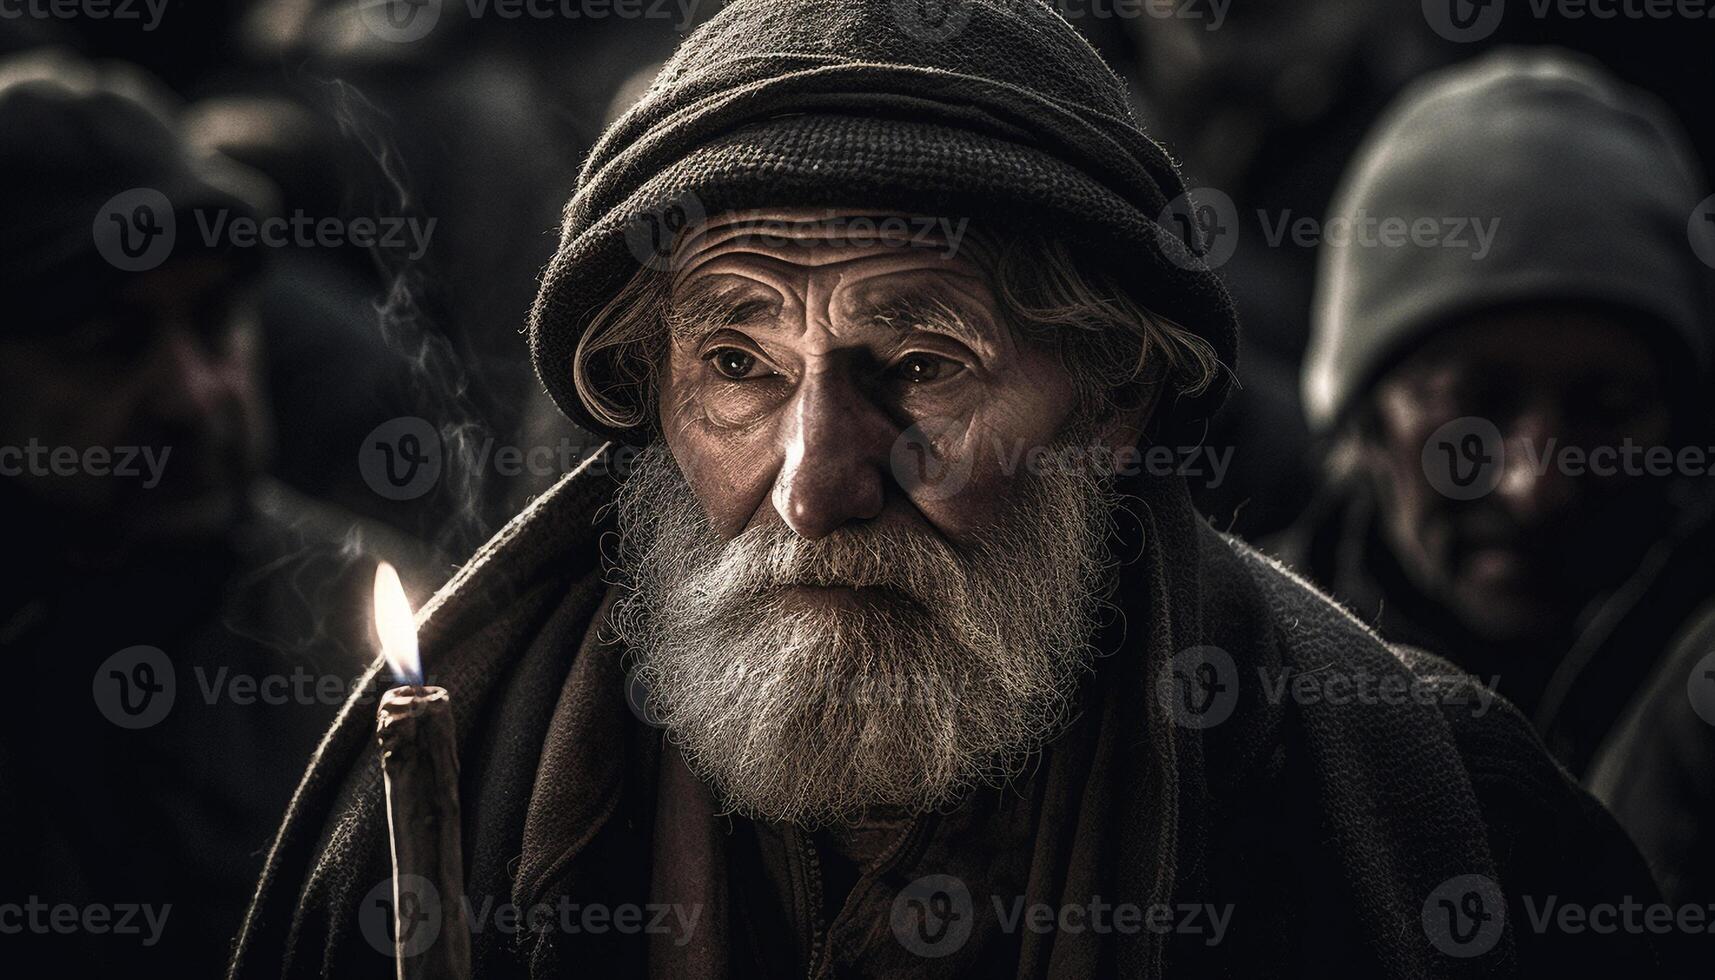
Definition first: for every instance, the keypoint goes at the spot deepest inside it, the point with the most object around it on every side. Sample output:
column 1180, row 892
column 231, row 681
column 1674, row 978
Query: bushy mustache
column 957, row 662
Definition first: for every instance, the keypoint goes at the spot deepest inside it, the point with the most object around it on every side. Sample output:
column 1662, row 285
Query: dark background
column 482, row 126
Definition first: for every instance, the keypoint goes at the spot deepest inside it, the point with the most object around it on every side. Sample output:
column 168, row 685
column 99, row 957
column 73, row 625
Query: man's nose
column 835, row 454
column 1534, row 486
column 189, row 384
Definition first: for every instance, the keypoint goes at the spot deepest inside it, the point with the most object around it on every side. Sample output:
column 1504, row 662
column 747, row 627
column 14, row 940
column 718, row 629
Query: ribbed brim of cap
column 827, row 160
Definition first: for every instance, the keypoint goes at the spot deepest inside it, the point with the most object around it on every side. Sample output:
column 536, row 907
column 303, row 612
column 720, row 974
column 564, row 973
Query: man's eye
column 733, row 363
column 920, row 368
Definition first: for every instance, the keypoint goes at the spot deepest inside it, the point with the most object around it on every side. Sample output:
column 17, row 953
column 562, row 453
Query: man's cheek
column 972, row 494
column 731, row 474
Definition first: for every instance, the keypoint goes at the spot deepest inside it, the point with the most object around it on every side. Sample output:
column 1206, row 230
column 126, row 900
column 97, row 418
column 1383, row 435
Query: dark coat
column 1333, row 830
column 1657, row 771
column 1577, row 683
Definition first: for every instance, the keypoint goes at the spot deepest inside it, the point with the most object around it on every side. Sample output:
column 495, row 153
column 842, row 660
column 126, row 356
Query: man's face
column 785, row 400
column 1523, row 559
column 160, row 382
column 821, row 632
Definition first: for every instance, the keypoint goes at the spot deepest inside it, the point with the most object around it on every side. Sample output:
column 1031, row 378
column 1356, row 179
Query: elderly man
column 1508, row 414
column 927, row 673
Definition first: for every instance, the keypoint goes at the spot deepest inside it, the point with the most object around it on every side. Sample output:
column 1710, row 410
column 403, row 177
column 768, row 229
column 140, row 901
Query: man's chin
column 850, row 599
column 204, row 516
column 1511, row 612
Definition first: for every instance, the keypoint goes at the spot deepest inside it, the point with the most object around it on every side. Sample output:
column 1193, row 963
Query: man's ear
column 1354, row 451
column 1124, row 430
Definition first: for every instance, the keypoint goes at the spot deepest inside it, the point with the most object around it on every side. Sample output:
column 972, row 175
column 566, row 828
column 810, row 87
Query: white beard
column 946, row 670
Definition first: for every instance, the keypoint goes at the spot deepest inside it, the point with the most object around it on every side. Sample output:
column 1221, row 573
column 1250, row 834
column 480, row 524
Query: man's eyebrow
column 707, row 306
column 923, row 311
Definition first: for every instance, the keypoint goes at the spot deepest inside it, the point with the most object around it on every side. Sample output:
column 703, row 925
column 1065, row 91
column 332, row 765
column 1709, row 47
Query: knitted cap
column 1584, row 188
column 999, row 112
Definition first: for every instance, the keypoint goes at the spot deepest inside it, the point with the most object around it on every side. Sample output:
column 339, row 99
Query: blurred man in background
column 1509, row 349
column 177, row 629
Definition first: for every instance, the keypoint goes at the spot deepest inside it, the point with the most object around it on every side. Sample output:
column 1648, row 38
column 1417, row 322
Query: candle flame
column 396, row 626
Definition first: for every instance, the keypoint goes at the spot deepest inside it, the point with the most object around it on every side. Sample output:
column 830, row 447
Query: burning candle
column 420, row 772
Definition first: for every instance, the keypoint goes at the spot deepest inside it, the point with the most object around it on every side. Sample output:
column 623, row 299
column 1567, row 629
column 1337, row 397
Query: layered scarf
column 560, row 780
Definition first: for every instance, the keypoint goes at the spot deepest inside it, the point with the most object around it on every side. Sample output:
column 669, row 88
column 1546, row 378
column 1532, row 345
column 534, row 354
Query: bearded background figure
column 867, row 646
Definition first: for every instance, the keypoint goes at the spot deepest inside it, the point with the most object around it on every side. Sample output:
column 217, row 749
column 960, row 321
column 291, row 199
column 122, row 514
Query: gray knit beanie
column 995, row 110
column 1546, row 180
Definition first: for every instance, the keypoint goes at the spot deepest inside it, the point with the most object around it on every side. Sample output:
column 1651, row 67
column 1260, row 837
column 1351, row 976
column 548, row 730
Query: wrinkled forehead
column 848, row 247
